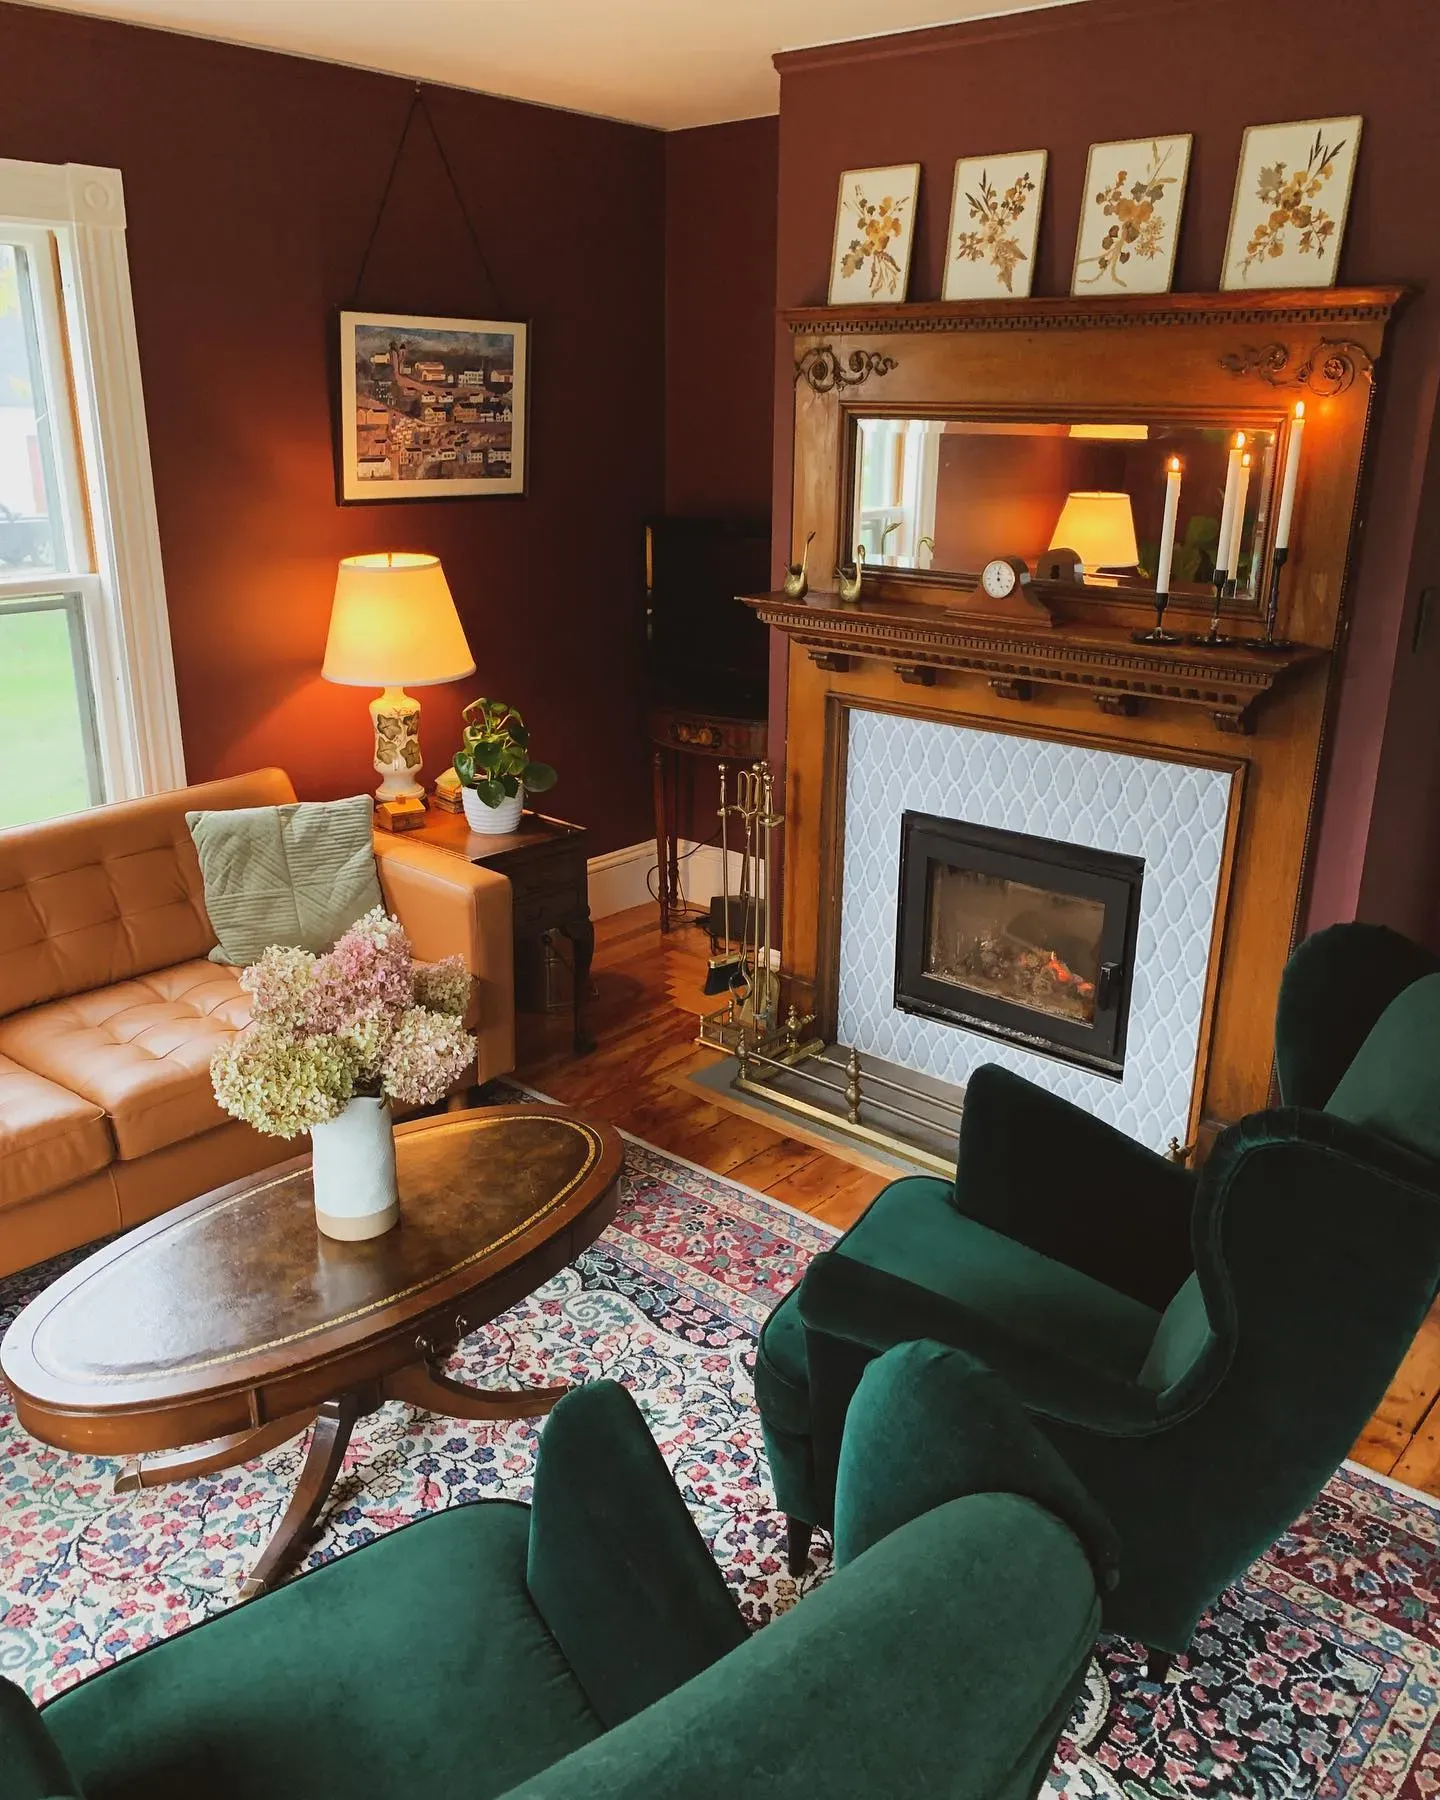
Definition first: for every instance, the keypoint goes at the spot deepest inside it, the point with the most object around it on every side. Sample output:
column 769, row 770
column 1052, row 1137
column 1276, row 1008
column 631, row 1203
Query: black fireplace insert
column 1022, row 938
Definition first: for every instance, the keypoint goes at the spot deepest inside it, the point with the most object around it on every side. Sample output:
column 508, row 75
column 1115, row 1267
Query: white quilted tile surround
column 1171, row 814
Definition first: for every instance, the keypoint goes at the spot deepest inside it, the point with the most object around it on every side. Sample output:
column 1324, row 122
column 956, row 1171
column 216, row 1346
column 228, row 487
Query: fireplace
column 1022, row 938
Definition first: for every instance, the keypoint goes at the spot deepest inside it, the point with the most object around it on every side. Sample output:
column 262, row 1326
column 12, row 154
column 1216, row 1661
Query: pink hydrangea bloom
column 427, row 1056
column 359, row 1020
column 368, row 971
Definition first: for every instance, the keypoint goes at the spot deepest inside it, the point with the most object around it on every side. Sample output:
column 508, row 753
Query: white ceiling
column 670, row 63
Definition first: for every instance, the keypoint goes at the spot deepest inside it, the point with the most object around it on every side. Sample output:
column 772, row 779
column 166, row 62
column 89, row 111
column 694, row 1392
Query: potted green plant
column 494, row 766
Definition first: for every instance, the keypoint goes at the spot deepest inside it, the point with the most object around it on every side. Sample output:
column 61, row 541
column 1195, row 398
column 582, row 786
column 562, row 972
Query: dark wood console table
column 677, row 734
column 544, row 862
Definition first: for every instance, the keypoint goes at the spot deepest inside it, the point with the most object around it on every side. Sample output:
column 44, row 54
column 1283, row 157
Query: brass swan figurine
column 797, row 581
column 849, row 575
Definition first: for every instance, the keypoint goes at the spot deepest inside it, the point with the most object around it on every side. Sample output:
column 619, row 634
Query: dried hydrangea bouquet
column 333, row 1039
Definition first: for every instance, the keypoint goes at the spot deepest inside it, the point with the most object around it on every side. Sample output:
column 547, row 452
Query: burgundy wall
column 720, row 200
column 251, row 182
column 1070, row 75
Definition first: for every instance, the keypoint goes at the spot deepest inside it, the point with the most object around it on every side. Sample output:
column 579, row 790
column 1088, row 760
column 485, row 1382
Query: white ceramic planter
column 493, row 821
column 353, row 1162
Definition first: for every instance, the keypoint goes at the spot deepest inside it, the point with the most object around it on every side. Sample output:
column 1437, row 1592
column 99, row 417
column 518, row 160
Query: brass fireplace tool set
column 742, row 924
column 748, row 1025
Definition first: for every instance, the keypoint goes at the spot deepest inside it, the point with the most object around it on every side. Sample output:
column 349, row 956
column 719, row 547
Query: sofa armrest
column 450, row 907
column 617, row 1568
column 31, row 1766
column 853, row 1313
column 1058, row 1180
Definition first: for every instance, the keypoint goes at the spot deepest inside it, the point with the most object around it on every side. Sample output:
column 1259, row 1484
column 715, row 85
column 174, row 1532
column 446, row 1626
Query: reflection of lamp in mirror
column 1100, row 529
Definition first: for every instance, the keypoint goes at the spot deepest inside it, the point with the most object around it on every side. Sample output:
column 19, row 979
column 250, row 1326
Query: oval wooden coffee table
column 231, row 1324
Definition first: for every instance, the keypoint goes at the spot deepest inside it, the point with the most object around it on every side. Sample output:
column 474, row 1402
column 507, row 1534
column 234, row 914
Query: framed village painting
column 1130, row 216
column 874, row 230
column 431, row 409
column 994, row 221
column 1292, row 193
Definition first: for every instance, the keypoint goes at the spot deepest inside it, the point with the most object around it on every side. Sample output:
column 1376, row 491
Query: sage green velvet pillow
column 296, row 875
column 1393, row 1085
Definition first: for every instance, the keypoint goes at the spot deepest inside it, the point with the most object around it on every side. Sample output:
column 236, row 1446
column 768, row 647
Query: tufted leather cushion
column 48, row 1136
column 111, row 893
column 140, row 1050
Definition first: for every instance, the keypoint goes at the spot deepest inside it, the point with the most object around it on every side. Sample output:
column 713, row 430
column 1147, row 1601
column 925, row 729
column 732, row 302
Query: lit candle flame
column 1239, row 440
column 1299, row 409
column 1245, row 460
column 1174, row 465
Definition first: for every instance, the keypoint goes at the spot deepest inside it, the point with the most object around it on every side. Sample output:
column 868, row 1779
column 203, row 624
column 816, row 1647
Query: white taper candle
column 1292, row 476
column 1237, row 527
column 1167, row 528
column 1227, row 511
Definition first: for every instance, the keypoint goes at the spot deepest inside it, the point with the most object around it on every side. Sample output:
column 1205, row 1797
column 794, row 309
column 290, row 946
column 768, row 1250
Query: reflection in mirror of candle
column 1227, row 510
column 1292, row 475
column 1167, row 528
column 1237, row 528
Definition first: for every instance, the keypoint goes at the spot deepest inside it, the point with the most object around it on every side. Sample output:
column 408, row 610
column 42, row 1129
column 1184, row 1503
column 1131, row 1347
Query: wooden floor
column 646, row 1001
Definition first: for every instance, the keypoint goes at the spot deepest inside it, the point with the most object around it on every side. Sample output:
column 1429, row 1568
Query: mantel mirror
column 940, row 496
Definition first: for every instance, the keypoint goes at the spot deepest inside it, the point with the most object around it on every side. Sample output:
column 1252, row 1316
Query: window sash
column 79, row 209
column 58, row 428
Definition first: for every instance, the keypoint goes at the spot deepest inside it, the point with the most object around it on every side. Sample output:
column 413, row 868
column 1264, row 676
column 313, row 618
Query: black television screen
column 707, row 650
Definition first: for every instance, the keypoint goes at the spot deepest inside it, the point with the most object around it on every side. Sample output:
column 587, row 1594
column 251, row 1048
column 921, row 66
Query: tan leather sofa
column 110, row 1009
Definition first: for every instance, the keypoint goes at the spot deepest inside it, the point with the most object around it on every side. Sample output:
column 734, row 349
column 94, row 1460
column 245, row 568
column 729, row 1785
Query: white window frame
column 81, row 208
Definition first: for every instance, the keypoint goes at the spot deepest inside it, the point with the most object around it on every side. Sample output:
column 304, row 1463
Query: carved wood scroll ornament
column 826, row 370
column 1327, row 368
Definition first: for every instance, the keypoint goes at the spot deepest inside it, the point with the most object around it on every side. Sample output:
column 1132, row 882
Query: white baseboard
column 624, row 878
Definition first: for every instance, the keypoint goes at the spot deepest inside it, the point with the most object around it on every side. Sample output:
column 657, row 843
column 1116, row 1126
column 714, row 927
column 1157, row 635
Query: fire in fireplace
column 1022, row 938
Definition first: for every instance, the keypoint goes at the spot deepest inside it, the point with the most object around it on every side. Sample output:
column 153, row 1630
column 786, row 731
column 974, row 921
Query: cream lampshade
column 1100, row 529
column 393, row 625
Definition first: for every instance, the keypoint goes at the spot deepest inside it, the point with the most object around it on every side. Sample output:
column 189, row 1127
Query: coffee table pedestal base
column 425, row 1386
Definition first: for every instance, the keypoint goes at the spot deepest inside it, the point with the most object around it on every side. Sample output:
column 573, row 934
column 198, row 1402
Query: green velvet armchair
column 586, row 1647
column 1203, row 1349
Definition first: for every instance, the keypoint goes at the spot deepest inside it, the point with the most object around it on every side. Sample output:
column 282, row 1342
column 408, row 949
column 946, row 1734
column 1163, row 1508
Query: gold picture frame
column 1288, row 216
column 1130, row 215
column 874, row 233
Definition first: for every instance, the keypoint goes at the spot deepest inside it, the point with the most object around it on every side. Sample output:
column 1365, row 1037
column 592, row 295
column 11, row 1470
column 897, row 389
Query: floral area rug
column 1318, row 1675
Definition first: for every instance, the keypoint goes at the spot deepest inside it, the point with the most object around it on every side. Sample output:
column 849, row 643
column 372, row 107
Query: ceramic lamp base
column 396, row 718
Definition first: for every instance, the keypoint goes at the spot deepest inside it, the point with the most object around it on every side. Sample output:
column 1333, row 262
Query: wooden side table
column 680, row 732
column 544, row 862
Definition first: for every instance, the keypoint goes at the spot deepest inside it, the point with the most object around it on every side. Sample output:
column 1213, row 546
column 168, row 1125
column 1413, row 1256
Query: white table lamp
column 393, row 625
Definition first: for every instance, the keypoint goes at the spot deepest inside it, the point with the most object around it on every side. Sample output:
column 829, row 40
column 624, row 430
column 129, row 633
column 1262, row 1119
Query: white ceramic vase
column 493, row 821
column 353, row 1161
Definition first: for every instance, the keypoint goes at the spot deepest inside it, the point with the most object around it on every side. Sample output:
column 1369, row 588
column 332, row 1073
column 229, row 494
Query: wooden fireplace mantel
column 1228, row 683
column 919, row 643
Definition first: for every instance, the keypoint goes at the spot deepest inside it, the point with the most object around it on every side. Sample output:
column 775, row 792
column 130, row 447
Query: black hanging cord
column 418, row 105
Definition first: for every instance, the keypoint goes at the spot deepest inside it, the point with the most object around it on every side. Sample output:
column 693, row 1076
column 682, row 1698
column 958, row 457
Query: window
column 87, row 696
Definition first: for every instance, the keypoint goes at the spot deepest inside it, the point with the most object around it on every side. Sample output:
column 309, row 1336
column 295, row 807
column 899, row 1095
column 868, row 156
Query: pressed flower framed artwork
column 1292, row 193
column 1130, row 216
column 874, row 229
column 994, row 219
